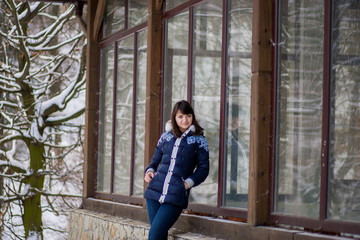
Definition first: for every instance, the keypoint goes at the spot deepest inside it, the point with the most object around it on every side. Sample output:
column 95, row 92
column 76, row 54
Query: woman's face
column 184, row 121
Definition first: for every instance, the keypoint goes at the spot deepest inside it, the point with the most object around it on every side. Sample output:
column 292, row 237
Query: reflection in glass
column 169, row 4
column 123, row 124
column 114, row 16
column 140, row 114
column 299, row 108
column 206, row 89
column 138, row 12
column 176, row 62
column 105, row 118
column 344, row 165
column 238, row 89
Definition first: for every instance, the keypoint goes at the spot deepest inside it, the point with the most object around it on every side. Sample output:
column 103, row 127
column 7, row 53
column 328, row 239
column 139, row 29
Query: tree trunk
column 32, row 216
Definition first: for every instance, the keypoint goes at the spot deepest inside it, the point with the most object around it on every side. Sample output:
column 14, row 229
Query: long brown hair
column 186, row 108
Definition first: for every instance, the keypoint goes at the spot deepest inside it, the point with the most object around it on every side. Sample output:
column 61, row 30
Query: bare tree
column 42, row 75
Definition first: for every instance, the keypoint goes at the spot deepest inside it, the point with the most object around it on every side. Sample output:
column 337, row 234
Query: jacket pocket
column 183, row 185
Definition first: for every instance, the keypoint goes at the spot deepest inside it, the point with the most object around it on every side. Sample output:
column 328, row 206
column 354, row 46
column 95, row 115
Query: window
column 211, row 68
column 169, row 4
column 123, row 14
column 139, row 118
column 137, row 12
column 114, row 17
column 106, row 98
column 121, row 116
column 317, row 115
column 206, row 89
column 344, row 153
column 175, row 86
column 299, row 109
column 237, row 109
column 123, row 123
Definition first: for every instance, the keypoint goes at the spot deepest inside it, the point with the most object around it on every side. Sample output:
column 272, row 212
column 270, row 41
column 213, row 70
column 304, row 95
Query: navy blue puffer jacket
column 190, row 164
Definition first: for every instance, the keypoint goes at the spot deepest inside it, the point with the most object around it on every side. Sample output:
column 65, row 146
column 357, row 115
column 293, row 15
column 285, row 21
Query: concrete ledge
column 89, row 225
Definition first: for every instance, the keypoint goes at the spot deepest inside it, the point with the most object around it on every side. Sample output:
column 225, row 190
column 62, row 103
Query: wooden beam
column 153, row 78
column 98, row 18
column 260, row 139
column 159, row 5
column 91, row 105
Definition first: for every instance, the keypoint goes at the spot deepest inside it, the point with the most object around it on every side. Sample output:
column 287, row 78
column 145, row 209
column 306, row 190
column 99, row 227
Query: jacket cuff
column 150, row 170
column 190, row 182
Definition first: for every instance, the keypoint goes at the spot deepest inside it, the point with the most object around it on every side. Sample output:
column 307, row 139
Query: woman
column 180, row 162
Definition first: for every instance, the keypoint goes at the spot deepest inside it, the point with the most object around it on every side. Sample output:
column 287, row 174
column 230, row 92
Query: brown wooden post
column 91, row 103
column 153, row 79
column 258, row 204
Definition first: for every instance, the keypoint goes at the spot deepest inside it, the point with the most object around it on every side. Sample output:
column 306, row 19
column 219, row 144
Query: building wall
column 259, row 206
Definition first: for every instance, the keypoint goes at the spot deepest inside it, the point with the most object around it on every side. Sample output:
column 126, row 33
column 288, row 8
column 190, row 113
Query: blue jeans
column 161, row 217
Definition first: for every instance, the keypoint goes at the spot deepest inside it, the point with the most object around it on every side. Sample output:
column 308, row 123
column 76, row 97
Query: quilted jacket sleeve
column 202, row 169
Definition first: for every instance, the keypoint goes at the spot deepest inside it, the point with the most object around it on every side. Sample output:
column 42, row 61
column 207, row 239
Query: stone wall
column 87, row 225
column 90, row 225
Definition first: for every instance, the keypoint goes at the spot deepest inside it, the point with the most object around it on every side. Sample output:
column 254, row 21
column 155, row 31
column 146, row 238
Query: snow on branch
column 52, row 48
column 42, row 38
column 57, row 120
column 7, row 104
column 10, row 82
column 13, row 164
column 10, row 138
column 30, row 10
column 10, row 40
column 20, row 32
column 60, row 101
column 6, row 199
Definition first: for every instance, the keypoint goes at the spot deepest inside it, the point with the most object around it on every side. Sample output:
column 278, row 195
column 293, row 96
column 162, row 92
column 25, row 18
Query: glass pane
column 114, row 16
column 299, row 108
column 123, row 125
column 140, row 114
column 176, row 62
column 105, row 118
column 206, row 90
column 344, row 167
column 238, row 90
column 138, row 12
column 169, row 4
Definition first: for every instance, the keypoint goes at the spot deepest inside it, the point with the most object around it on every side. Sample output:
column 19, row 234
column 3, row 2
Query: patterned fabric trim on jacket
column 176, row 160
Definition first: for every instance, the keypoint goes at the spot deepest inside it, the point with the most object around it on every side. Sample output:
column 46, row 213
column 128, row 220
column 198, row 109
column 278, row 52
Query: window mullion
column 326, row 112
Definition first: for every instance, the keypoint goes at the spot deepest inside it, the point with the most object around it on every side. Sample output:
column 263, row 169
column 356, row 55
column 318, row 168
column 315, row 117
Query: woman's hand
column 186, row 185
column 148, row 176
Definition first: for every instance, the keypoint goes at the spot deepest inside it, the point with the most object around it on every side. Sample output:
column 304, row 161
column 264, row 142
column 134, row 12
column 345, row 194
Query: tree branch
column 56, row 121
